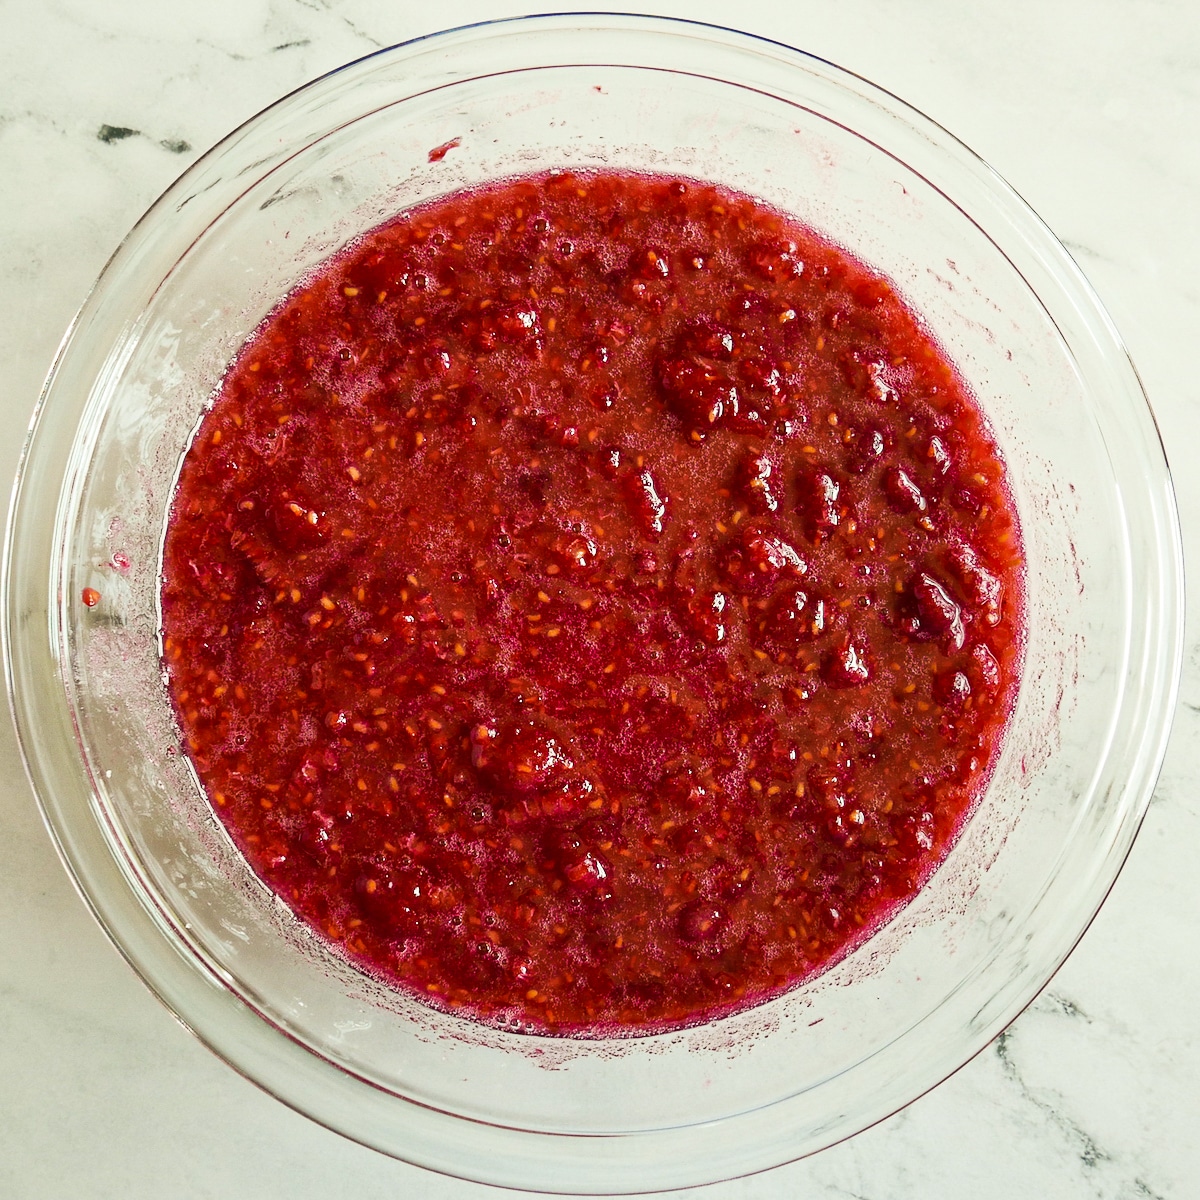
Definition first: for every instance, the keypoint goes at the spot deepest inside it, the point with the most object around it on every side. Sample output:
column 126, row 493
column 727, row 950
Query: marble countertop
column 1090, row 110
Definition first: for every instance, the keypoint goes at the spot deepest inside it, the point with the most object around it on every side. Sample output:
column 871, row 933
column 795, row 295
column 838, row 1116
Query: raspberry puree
column 592, row 602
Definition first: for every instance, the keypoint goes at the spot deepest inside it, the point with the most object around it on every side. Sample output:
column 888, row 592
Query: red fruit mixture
column 593, row 602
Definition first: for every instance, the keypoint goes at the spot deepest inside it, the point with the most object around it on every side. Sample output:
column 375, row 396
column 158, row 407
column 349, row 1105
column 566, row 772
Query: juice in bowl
column 592, row 602
column 611, row 652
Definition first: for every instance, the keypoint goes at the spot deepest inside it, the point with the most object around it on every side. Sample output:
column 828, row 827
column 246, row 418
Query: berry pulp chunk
column 593, row 602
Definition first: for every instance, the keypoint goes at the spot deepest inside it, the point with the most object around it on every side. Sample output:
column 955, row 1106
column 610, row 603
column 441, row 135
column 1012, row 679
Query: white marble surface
column 1091, row 109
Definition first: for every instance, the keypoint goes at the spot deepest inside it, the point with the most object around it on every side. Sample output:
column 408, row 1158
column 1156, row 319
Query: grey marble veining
column 1090, row 110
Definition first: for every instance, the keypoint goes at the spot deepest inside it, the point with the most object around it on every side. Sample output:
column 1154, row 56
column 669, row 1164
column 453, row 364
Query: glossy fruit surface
column 593, row 601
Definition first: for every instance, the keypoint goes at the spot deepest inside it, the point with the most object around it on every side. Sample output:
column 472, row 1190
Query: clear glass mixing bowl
column 136, row 370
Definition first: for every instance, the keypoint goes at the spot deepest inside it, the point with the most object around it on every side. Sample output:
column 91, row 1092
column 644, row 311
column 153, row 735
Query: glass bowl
column 138, row 367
